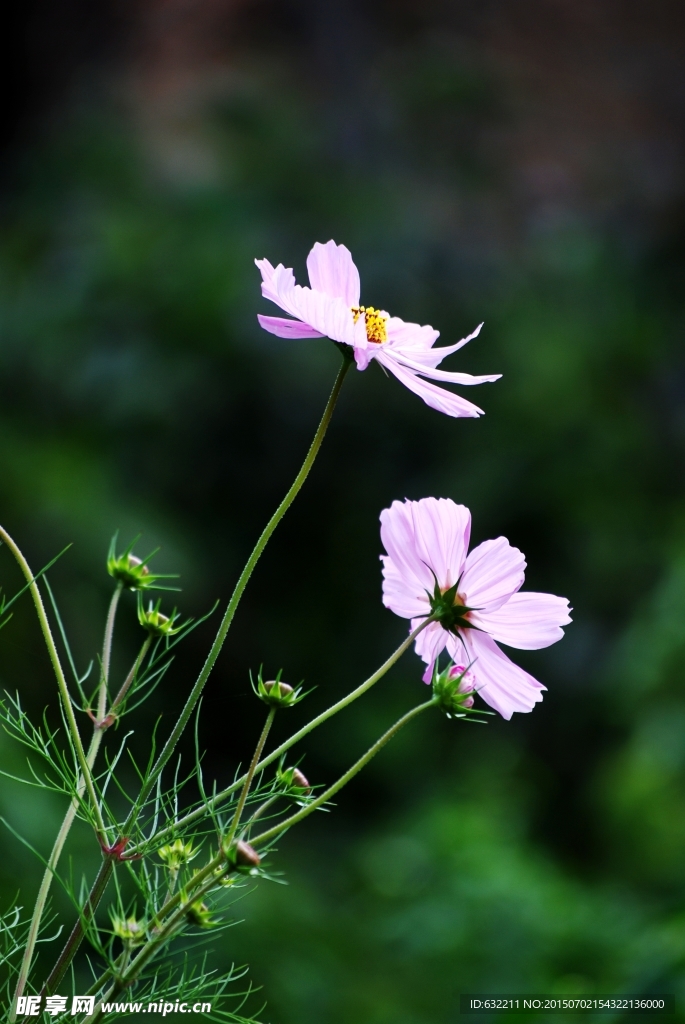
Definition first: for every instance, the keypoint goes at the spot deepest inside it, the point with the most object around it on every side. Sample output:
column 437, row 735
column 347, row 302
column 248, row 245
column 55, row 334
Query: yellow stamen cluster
column 376, row 330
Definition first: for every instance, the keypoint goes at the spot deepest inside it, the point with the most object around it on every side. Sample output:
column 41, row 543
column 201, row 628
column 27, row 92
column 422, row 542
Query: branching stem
column 239, row 588
column 271, row 833
column 250, row 775
column 59, row 674
column 77, row 933
column 210, row 806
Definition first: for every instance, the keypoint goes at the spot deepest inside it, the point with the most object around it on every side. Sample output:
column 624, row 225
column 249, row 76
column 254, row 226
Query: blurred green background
column 520, row 164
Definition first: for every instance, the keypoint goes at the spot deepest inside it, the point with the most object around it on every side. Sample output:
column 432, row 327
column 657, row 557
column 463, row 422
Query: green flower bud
column 200, row 915
column 133, row 572
column 453, row 689
column 129, row 930
column 276, row 693
column 294, row 782
column 155, row 622
column 243, row 858
column 176, row 854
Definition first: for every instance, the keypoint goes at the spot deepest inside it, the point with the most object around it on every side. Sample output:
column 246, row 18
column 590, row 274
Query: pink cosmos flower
column 330, row 309
column 475, row 598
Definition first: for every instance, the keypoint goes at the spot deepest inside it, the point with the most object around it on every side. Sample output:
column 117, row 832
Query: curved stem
column 130, row 678
column 61, row 680
column 344, row 779
column 69, row 817
column 48, row 875
column 250, row 775
column 96, row 892
column 194, row 696
column 107, row 652
column 200, row 812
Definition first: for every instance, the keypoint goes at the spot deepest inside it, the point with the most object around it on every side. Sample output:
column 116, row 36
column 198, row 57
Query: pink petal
column 494, row 571
column 447, row 350
column 502, row 684
column 411, row 338
column 332, row 271
column 441, row 537
column 424, row 540
column 403, row 566
column 436, row 398
column 446, row 375
column 430, row 642
column 270, row 277
column 527, row 620
column 283, row 328
column 402, row 592
column 417, row 342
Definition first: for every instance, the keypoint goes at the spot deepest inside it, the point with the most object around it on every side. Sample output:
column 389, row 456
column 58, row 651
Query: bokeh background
column 518, row 163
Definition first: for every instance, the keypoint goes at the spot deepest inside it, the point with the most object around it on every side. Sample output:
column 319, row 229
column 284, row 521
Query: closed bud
column 243, row 858
column 176, row 854
column 200, row 915
column 246, row 856
column 300, row 780
column 294, row 782
column 276, row 693
column 155, row 622
column 129, row 930
column 132, row 572
column 453, row 689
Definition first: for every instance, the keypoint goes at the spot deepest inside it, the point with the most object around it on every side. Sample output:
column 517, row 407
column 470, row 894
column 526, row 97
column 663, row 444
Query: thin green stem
column 107, row 652
column 61, row 680
column 261, row 811
column 130, row 678
column 176, row 920
column 264, row 837
column 195, row 693
column 210, row 806
column 85, row 917
column 77, row 933
column 250, row 775
column 48, row 876
column 69, row 817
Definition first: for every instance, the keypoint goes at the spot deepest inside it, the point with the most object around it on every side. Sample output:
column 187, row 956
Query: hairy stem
column 46, row 882
column 194, row 696
column 207, row 808
column 250, row 775
column 264, row 837
column 69, row 817
column 107, row 652
column 86, row 916
column 61, row 680
column 76, row 936
column 207, row 876
column 130, row 678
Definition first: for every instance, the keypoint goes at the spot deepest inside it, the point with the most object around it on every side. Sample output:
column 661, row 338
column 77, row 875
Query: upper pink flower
column 475, row 598
column 330, row 309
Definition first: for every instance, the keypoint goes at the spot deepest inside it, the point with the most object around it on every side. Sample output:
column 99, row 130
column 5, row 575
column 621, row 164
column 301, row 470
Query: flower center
column 375, row 323
column 450, row 609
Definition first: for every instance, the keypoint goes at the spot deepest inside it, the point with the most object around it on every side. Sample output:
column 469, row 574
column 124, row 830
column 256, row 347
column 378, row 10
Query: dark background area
column 520, row 164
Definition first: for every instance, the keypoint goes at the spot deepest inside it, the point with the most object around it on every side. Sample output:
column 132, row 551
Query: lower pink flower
column 474, row 598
